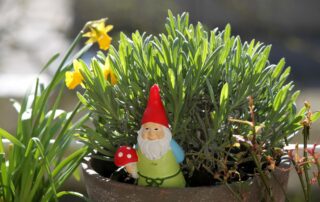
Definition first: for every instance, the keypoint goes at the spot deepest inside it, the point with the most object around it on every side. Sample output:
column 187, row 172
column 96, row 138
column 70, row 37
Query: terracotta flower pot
column 101, row 189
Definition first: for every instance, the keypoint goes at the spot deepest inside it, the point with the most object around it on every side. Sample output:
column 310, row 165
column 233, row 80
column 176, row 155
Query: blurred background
column 31, row 31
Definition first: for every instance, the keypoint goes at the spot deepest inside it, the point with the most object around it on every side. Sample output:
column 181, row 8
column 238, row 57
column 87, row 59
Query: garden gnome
column 158, row 154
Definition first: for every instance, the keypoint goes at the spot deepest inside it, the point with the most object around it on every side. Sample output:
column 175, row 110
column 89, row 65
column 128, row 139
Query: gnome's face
column 152, row 131
column 154, row 140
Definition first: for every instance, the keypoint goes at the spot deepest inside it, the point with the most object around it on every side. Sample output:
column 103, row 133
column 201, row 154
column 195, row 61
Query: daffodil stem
column 69, row 51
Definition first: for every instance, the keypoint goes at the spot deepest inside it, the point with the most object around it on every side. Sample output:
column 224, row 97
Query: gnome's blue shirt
column 177, row 151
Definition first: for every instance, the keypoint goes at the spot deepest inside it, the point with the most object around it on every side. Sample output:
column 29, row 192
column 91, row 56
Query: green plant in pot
column 229, row 109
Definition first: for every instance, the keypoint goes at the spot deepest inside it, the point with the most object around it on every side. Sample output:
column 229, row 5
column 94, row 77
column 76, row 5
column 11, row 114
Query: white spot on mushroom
column 120, row 154
column 129, row 156
column 128, row 148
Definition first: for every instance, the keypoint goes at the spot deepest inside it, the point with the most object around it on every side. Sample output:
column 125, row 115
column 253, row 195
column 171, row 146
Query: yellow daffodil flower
column 108, row 73
column 73, row 79
column 99, row 33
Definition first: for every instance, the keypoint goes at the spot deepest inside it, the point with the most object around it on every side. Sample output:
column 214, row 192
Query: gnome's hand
column 132, row 169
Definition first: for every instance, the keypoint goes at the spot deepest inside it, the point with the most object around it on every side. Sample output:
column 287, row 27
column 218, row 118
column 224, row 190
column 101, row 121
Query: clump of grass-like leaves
column 36, row 162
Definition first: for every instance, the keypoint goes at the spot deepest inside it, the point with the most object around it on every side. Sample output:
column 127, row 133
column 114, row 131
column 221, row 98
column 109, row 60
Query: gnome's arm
column 177, row 151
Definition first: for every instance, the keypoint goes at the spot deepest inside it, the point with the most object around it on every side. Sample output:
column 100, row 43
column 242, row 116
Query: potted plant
column 230, row 110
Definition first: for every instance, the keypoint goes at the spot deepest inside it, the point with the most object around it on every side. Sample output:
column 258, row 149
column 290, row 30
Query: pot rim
column 89, row 171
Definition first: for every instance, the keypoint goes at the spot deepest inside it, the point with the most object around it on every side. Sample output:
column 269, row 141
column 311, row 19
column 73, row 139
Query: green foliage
column 205, row 79
column 35, row 165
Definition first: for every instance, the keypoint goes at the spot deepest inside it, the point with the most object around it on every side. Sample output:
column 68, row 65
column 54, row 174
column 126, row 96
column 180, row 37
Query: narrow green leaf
column 67, row 160
column 37, row 183
column 238, row 51
column 276, row 72
column 4, row 175
column 77, row 175
column 250, row 48
column 224, row 95
column 51, row 60
column 225, row 52
column 302, row 111
column 295, row 96
column 82, row 99
column 280, row 98
column 285, row 74
column 4, row 133
column 211, row 93
column 46, row 165
column 227, row 33
column 212, row 40
column 315, row 116
column 171, row 78
column 263, row 60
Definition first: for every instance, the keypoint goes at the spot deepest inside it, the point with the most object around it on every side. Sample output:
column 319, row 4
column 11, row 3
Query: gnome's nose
column 151, row 135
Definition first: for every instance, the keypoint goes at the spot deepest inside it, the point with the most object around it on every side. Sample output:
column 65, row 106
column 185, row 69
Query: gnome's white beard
column 155, row 149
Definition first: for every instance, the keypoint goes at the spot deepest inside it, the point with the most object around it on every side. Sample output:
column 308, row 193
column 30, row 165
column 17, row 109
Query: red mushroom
column 127, row 156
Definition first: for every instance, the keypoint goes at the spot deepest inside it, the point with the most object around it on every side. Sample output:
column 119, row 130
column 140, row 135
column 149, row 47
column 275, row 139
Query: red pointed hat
column 155, row 111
